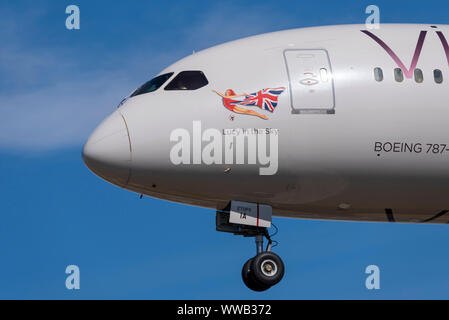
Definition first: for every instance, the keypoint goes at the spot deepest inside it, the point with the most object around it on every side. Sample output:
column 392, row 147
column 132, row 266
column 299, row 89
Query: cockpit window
column 152, row 85
column 188, row 80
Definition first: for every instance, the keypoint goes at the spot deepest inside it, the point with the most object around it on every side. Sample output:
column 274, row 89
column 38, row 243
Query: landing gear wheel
column 249, row 280
column 266, row 269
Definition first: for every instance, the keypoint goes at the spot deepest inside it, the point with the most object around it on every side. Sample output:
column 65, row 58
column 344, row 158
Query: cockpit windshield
column 152, row 85
column 188, row 80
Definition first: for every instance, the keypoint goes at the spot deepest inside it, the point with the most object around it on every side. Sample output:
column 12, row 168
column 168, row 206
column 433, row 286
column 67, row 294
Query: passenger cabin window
column 419, row 77
column 438, row 76
column 398, row 75
column 378, row 74
column 188, row 80
column 152, row 85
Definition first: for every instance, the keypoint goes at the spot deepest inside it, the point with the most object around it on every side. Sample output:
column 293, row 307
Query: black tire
column 249, row 280
column 267, row 269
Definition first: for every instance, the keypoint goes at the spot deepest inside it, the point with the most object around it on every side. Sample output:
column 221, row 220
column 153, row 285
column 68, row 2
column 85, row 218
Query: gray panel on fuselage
column 310, row 81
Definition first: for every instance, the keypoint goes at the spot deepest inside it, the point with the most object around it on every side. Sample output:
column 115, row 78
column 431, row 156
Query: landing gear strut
column 264, row 270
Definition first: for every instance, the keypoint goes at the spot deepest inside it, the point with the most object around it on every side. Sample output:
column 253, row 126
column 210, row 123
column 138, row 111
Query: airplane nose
column 107, row 152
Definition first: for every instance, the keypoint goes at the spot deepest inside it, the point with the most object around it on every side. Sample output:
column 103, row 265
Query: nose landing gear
column 264, row 270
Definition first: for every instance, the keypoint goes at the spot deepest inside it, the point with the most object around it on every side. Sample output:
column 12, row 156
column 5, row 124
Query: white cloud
column 49, row 99
column 225, row 22
column 60, row 115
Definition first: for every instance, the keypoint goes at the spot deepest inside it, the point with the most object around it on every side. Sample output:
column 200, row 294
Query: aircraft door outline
column 311, row 81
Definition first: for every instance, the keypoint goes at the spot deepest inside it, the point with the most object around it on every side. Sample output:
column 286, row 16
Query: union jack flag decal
column 266, row 99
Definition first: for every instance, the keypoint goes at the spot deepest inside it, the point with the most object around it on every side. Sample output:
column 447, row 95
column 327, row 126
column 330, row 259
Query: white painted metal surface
column 251, row 214
column 376, row 152
column 310, row 81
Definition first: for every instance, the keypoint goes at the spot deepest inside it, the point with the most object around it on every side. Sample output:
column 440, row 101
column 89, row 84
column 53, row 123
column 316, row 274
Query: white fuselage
column 349, row 146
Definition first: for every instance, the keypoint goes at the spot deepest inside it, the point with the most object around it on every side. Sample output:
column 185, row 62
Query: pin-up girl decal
column 266, row 99
column 230, row 103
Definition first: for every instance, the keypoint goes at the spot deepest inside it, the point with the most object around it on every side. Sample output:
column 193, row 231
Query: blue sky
column 57, row 85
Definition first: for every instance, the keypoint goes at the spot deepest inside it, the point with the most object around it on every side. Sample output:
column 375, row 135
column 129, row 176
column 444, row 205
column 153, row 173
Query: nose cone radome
column 107, row 152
